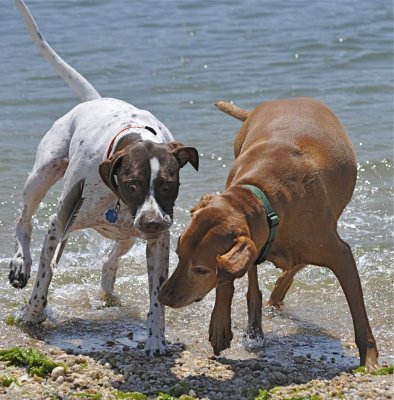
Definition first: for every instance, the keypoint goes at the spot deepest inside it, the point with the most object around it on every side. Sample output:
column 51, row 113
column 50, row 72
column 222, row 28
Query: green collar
column 273, row 221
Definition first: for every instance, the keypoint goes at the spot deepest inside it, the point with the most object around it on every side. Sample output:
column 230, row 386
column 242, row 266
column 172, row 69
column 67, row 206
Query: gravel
column 186, row 372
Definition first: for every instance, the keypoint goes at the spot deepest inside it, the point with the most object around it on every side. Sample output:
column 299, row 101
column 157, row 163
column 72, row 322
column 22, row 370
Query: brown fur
column 298, row 153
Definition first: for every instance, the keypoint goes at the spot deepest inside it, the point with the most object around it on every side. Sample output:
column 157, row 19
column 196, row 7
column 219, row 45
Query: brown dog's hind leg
column 282, row 285
column 254, row 300
column 342, row 263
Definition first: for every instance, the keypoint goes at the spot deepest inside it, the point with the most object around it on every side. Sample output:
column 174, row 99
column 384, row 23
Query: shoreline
column 100, row 375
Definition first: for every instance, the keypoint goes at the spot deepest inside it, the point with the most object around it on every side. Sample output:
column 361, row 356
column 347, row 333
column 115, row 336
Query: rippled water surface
column 177, row 58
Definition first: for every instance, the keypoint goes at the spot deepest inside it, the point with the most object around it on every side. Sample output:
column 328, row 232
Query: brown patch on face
column 127, row 172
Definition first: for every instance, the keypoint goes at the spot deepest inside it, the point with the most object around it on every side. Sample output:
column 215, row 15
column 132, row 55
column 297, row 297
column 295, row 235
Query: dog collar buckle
column 273, row 219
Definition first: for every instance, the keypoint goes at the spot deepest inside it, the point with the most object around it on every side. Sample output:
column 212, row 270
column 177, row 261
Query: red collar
column 111, row 145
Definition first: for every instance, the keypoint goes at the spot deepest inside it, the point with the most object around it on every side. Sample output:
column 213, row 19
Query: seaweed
column 387, row 370
column 10, row 320
column 129, row 395
column 90, row 396
column 6, row 380
column 37, row 363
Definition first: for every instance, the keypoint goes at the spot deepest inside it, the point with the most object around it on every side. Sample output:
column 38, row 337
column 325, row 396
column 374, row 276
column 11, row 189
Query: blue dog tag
column 111, row 216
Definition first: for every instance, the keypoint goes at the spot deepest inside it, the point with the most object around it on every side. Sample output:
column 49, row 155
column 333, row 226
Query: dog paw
column 253, row 338
column 23, row 317
column 110, row 300
column 19, row 272
column 155, row 346
column 220, row 338
column 371, row 360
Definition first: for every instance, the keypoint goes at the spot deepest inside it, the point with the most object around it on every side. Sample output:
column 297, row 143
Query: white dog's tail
column 72, row 77
column 233, row 110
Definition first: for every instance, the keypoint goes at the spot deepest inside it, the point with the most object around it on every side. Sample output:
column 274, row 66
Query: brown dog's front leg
column 254, row 300
column 220, row 334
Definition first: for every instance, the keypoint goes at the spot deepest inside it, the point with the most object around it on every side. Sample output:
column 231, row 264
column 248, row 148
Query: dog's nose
column 151, row 226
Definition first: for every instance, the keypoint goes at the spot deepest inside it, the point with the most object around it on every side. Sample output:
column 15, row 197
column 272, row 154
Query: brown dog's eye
column 200, row 271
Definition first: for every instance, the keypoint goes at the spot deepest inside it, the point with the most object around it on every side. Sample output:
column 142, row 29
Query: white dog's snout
column 150, row 218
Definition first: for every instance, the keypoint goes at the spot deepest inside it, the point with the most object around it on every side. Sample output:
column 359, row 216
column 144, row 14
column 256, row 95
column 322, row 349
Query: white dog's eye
column 132, row 187
column 166, row 186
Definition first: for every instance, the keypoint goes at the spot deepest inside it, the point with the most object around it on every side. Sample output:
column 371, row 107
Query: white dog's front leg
column 157, row 256
column 108, row 272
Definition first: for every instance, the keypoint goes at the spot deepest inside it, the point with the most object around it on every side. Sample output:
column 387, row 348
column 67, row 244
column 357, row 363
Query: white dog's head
column 145, row 176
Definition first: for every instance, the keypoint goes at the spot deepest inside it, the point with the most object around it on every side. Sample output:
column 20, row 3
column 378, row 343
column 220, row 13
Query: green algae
column 37, row 363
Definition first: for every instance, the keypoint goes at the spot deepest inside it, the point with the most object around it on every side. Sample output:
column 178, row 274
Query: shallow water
column 176, row 59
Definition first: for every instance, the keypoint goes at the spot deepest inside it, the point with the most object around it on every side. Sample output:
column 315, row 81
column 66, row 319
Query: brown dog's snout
column 174, row 294
column 168, row 297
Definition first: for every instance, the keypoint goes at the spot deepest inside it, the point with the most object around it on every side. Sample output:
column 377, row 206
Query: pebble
column 300, row 359
column 195, row 374
column 56, row 372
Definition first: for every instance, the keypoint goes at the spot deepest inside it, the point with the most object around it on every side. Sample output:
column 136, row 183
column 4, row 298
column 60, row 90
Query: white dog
column 130, row 165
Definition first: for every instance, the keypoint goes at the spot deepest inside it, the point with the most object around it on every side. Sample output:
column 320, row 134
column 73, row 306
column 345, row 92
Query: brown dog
column 296, row 152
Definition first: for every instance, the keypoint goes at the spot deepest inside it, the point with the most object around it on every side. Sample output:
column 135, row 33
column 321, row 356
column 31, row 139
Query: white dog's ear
column 184, row 154
column 108, row 170
column 236, row 262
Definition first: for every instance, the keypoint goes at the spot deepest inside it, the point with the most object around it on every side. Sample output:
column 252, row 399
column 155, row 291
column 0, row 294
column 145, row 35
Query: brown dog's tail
column 232, row 110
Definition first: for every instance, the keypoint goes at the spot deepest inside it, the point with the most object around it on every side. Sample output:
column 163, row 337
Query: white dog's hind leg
column 37, row 184
column 108, row 272
column 34, row 311
column 157, row 256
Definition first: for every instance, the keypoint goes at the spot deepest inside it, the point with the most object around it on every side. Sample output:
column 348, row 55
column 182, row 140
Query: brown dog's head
column 215, row 248
column 145, row 176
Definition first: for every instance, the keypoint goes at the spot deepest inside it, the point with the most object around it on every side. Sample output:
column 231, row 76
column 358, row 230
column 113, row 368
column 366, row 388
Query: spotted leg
column 43, row 176
column 157, row 256
column 34, row 311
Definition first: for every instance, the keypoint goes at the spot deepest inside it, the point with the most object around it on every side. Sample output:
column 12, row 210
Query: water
column 176, row 59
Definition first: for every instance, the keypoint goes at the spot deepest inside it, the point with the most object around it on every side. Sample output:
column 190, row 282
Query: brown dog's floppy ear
column 238, row 259
column 184, row 154
column 108, row 169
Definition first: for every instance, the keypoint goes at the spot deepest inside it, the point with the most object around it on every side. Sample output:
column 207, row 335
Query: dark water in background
column 176, row 58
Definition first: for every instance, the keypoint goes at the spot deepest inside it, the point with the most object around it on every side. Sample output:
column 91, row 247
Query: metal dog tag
column 111, row 214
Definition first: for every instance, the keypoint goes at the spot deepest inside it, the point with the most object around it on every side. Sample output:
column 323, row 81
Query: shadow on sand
column 308, row 353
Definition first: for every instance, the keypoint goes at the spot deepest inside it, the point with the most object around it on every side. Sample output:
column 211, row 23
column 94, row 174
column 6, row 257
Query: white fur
column 75, row 146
